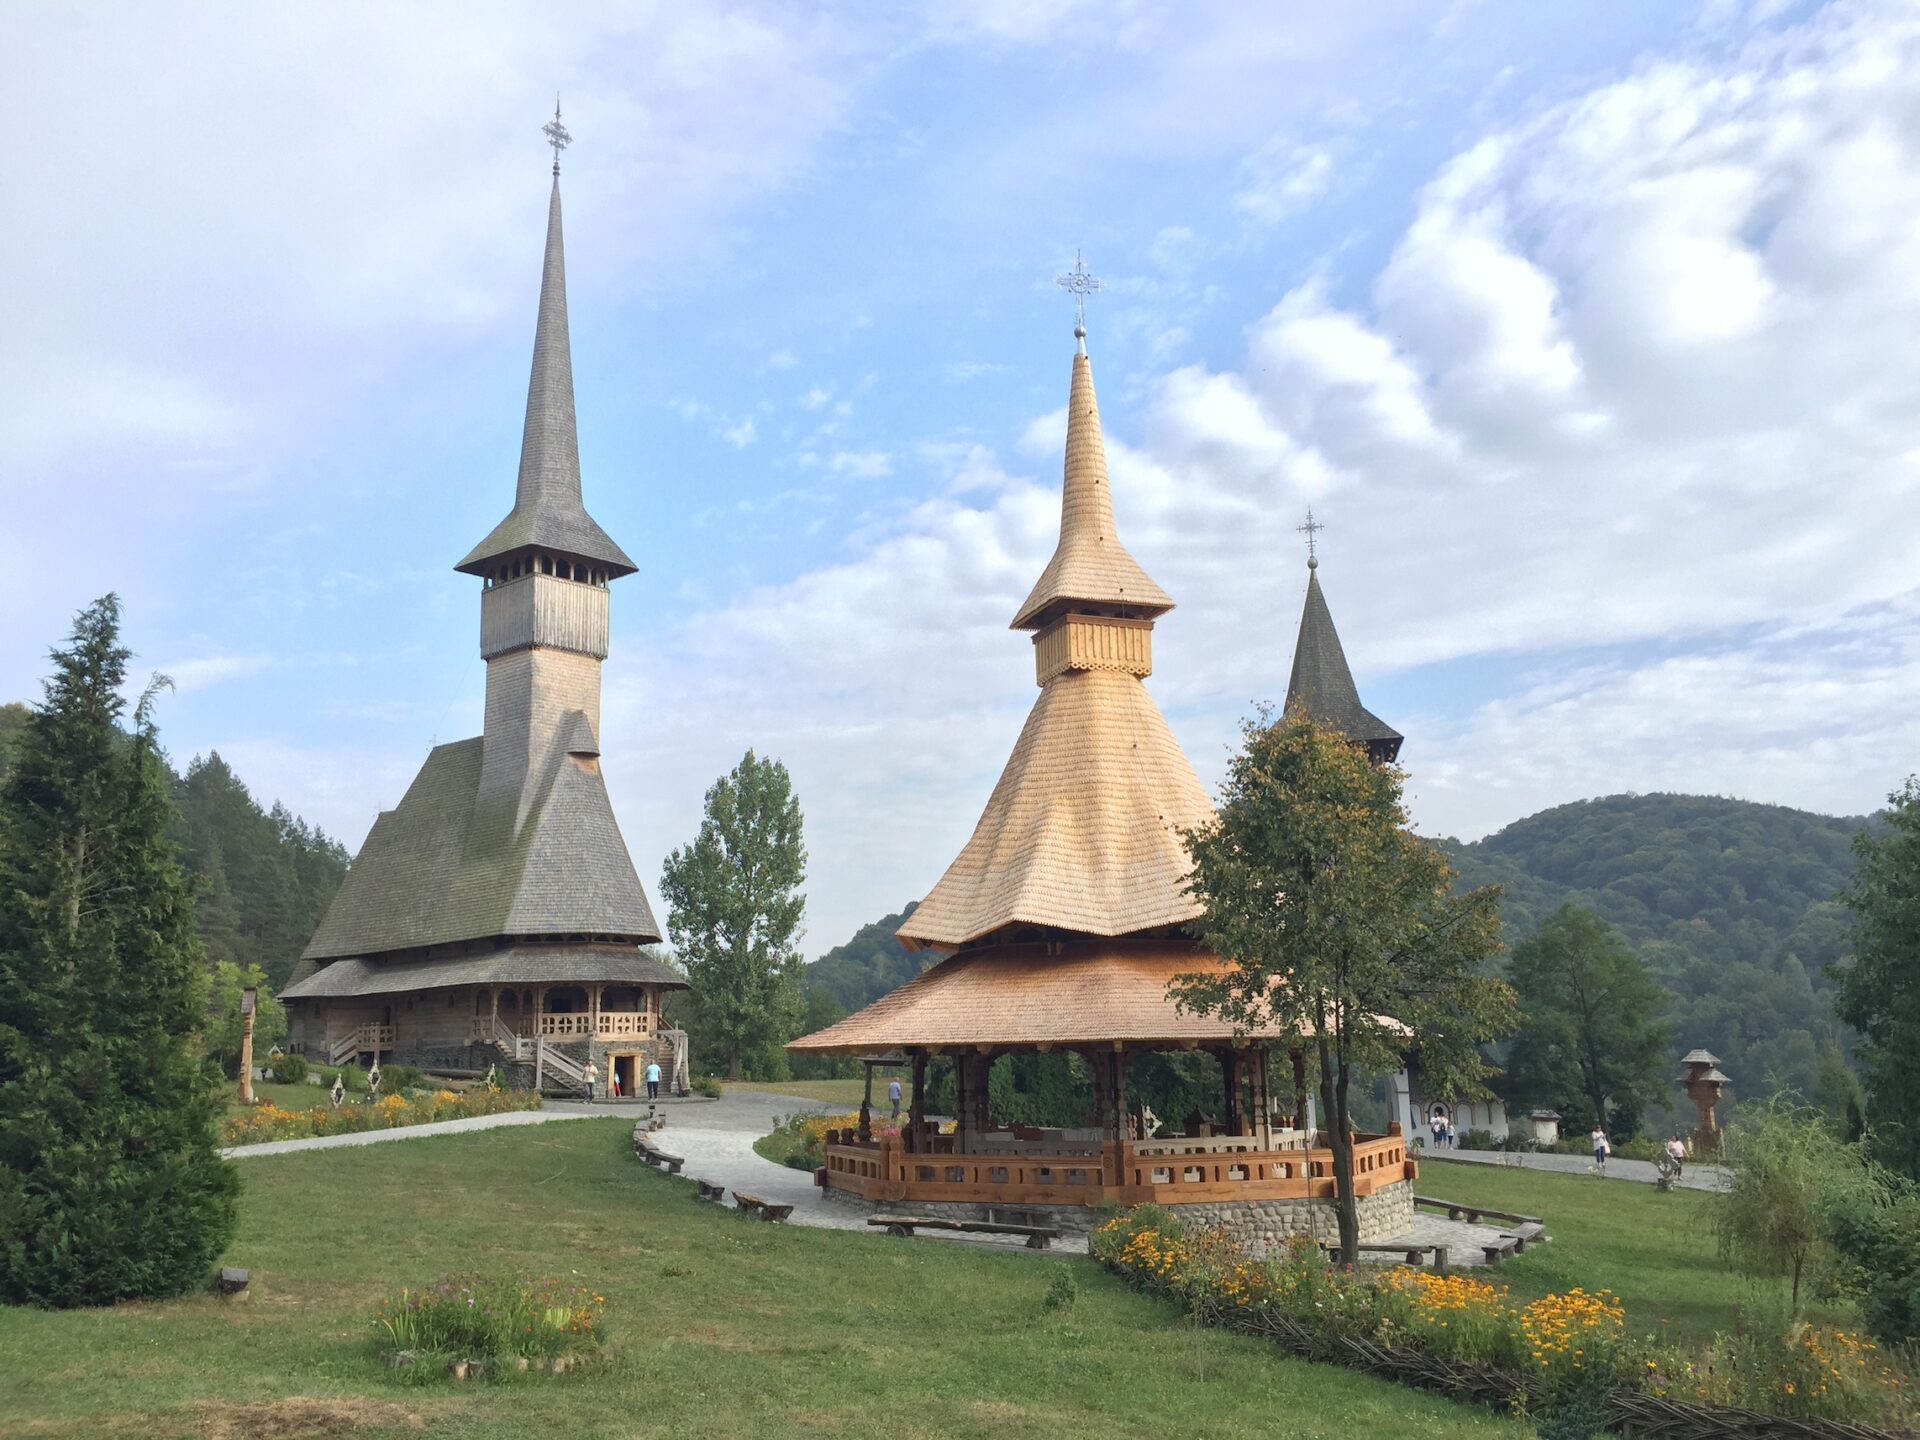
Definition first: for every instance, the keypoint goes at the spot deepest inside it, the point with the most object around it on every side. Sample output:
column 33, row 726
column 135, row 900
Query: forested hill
column 265, row 876
column 869, row 965
column 1731, row 905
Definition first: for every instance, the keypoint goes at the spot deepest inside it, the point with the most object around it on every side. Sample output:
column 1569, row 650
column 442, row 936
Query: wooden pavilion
column 1062, row 924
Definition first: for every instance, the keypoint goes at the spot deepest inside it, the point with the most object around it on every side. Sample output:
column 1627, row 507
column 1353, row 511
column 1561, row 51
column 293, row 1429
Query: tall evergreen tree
column 1880, row 990
column 110, row 1184
column 734, row 906
column 1592, row 1043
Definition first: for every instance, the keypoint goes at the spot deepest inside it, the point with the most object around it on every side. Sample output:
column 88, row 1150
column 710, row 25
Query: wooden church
column 495, row 919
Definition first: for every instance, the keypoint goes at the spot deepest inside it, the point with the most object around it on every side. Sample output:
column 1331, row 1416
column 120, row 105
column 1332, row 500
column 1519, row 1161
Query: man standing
column 653, row 1080
column 893, row 1096
column 593, row 1076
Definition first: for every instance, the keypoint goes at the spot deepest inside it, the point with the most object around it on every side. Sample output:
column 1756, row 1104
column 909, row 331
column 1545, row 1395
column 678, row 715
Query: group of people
column 613, row 1081
column 1441, row 1124
column 1674, row 1151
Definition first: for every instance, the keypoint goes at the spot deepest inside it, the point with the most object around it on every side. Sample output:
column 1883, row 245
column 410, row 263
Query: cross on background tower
column 1312, row 531
column 556, row 134
column 1080, row 283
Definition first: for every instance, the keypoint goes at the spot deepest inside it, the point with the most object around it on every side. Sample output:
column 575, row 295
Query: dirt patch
column 301, row 1418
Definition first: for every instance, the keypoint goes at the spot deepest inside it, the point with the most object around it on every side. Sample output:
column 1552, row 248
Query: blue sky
column 1589, row 331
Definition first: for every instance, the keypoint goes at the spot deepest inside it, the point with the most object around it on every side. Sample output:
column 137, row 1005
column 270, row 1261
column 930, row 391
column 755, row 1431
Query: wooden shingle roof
column 1082, row 831
column 1090, row 564
column 1092, row 992
column 1321, row 685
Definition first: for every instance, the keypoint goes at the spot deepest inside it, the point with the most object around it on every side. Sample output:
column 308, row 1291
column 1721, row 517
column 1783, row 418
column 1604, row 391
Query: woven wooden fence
column 1631, row 1412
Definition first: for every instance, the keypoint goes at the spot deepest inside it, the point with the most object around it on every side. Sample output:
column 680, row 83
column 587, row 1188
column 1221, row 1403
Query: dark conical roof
column 547, row 509
column 1321, row 685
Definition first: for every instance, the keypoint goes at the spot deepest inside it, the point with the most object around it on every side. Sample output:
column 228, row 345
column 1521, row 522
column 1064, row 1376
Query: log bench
column 1472, row 1213
column 1414, row 1256
column 1498, row 1250
column 711, row 1191
column 761, row 1209
column 1038, row 1237
column 654, row 1155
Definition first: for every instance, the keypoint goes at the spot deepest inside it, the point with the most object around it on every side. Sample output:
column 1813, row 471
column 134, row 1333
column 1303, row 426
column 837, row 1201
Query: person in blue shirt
column 653, row 1080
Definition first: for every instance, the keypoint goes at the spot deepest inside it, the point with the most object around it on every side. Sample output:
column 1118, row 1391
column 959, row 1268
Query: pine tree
column 110, row 1184
column 734, row 905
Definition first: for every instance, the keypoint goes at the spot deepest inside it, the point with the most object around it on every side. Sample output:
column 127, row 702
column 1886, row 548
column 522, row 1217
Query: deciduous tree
column 1880, row 990
column 1592, row 1042
column 734, row 905
column 110, row 1184
column 1336, row 923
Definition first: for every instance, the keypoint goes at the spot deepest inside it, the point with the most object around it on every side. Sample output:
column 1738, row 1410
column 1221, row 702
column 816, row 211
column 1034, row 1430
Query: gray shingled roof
column 1321, row 685
column 547, row 510
column 514, row 965
column 439, row 869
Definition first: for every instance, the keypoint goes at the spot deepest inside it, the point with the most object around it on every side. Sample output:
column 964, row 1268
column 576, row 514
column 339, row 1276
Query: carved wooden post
column 249, row 1001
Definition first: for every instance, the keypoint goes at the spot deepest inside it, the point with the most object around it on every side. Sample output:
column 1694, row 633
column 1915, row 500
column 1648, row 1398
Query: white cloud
column 782, row 360
column 739, row 436
column 862, row 464
column 815, row 398
column 1281, row 179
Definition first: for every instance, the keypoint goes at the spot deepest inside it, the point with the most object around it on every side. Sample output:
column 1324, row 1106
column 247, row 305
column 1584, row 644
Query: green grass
column 723, row 1327
column 1657, row 1252
column 833, row 1092
column 287, row 1097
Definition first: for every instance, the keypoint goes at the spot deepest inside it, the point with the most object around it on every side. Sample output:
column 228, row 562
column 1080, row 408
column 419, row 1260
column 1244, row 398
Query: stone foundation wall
column 1256, row 1225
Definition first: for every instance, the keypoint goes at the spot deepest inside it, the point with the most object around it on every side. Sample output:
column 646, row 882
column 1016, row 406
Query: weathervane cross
column 1312, row 531
column 556, row 134
column 1080, row 282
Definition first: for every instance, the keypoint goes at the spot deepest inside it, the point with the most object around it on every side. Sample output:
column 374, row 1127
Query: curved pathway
column 1695, row 1177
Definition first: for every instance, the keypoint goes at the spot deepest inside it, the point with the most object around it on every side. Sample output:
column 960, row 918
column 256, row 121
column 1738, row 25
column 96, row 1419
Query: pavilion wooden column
column 1234, row 1120
column 917, row 1110
column 1262, row 1101
column 978, row 1092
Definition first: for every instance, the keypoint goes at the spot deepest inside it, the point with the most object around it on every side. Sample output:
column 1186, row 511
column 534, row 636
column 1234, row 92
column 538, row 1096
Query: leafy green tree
column 734, row 905
column 1592, row 1042
column 822, row 1010
column 1337, row 923
column 13, row 722
column 1880, row 990
column 110, row 1184
column 1791, row 1174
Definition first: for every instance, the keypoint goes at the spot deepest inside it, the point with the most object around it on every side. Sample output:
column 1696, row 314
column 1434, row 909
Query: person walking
column 653, row 1080
column 613, row 1081
column 1601, row 1149
column 1677, row 1152
column 593, row 1074
column 893, row 1096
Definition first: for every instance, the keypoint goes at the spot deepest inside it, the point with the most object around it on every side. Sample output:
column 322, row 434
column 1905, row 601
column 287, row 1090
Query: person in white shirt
column 893, row 1096
column 1601, row 1148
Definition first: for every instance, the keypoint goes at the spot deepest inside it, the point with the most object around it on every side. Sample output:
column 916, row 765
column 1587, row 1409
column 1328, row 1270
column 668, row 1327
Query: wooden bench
column 1498, row 1250
column 1472, row 1213
column 1038, row 1237
column 761, row 1209
column 1411, row 1255
column 711, row 1191
column 1525, row 1235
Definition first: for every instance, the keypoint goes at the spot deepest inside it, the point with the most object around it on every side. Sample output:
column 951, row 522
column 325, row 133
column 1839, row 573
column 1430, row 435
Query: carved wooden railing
column 608, row 1025
column 365, row 1037
column 881, row 1170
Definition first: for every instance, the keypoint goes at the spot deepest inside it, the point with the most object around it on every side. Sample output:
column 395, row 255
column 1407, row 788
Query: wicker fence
column 1631, row 1413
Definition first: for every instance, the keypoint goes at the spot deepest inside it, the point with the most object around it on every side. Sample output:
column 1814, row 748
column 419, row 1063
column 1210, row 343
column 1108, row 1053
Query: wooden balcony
column 606, row 1025
column 1165, row 1172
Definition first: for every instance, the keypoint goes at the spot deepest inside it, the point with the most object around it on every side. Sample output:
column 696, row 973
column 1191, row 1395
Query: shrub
column 290, row 1069
column 1061, row 1290
column 707, row 1085
column 395, row 1078
column 474, row 1319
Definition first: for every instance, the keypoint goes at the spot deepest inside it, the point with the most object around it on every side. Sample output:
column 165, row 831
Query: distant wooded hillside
column 1731, row 904
column 265, row 876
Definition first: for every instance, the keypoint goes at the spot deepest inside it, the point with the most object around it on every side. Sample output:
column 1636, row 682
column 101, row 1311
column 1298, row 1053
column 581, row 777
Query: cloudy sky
column 1592, row 333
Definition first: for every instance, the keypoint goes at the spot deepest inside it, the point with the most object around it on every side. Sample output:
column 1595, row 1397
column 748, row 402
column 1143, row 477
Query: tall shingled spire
column 548, row 513
column 1083, row 834
column 1321, row 685
column 1090, row 566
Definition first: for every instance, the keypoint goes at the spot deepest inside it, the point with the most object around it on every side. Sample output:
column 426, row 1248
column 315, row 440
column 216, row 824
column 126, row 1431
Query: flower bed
column 1463, row 1335
column 475, row 1327
column 271, row 1122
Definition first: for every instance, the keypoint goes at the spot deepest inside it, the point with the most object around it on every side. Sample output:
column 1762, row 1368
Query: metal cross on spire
column 556, row 134
column 1079, row 282
column 1312, row 531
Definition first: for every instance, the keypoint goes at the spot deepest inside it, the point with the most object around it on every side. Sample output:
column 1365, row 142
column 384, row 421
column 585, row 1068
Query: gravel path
column 1696, row 1177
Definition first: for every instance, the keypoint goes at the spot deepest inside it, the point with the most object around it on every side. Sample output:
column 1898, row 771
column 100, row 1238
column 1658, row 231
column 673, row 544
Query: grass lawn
column 723, row 1326
column 834, row 1092
column 287, row 1097
column 1657, row 1252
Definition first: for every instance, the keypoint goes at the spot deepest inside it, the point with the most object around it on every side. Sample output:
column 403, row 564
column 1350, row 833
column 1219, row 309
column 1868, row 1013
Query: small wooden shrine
column 1062, row 924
